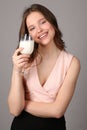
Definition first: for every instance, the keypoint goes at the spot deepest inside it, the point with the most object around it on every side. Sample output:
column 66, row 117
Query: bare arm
column 16, row 97
column 59, row 106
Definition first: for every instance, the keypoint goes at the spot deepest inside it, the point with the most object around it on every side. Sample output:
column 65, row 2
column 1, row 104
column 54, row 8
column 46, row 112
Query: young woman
column 43, row 83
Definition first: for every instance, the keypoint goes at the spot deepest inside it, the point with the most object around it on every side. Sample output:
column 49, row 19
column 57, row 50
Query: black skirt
column 26, row 121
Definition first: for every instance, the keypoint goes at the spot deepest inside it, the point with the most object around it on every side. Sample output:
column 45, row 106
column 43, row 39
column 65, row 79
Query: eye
column 43, row 21
column 31, row 28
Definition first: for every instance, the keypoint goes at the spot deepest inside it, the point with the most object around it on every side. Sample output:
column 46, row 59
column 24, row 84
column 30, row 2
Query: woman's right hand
column 20, row 61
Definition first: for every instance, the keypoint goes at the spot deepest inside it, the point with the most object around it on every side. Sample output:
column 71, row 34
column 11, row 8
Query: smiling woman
column 43, row 82
column 40, row 29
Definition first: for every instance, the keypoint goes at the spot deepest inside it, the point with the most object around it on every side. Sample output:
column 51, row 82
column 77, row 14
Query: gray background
column 72, row 18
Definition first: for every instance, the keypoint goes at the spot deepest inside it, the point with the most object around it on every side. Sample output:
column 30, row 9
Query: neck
column 48, row 51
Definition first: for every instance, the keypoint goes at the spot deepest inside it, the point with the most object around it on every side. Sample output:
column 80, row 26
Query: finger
column 25, row 60
column 18, row 51
column 20, row 57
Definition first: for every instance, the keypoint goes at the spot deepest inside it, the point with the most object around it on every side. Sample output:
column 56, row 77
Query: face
column 39, row 28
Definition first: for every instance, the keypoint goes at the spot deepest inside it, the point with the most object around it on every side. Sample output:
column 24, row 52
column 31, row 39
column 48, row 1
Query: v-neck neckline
column 45, row 84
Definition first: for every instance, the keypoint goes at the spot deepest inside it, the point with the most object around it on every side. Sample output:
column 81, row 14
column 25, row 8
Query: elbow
column 15, row 110
column 58, row 113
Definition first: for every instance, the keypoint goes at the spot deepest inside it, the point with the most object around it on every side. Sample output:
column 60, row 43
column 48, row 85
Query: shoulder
column 73, row 64
column 74, row 68
column 76, row 63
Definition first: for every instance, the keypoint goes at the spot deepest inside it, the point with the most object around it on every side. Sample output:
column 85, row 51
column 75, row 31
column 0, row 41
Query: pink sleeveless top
column 48, row 92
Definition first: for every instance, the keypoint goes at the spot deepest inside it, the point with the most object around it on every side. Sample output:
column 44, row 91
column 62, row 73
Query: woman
column 43, row 83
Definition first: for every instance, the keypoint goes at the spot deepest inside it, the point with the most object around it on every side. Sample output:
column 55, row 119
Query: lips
column 43, row 35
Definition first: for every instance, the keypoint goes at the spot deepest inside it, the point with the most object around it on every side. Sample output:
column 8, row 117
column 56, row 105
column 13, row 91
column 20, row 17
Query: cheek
column 52, row 32
column 51, row 28
column 47, row 26
column 33, row 35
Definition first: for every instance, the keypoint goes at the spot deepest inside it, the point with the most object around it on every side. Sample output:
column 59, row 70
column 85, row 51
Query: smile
column 43, row 36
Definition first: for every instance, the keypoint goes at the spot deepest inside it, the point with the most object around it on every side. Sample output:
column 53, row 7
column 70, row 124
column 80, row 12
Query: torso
column 45, row 68
column 44, row 80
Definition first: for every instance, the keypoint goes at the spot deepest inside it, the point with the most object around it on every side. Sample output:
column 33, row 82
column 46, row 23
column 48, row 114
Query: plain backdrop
column 72, row 20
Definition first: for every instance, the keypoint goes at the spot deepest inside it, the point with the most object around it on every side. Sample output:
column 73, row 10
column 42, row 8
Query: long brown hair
column 50, row 18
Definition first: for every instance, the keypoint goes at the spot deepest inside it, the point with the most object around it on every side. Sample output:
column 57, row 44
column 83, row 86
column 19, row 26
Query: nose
column 39, row 29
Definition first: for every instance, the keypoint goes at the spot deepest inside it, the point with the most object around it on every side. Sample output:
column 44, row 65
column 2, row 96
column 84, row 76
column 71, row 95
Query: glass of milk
column 27, row 44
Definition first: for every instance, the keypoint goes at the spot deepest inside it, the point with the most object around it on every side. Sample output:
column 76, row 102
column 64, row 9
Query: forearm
column 16, row 99
column 41, row 109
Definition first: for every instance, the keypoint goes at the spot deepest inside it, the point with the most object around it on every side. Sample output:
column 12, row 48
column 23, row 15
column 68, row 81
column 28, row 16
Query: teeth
column 42, row 35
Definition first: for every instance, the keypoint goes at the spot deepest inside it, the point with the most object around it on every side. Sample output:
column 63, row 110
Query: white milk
column 28, row 46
